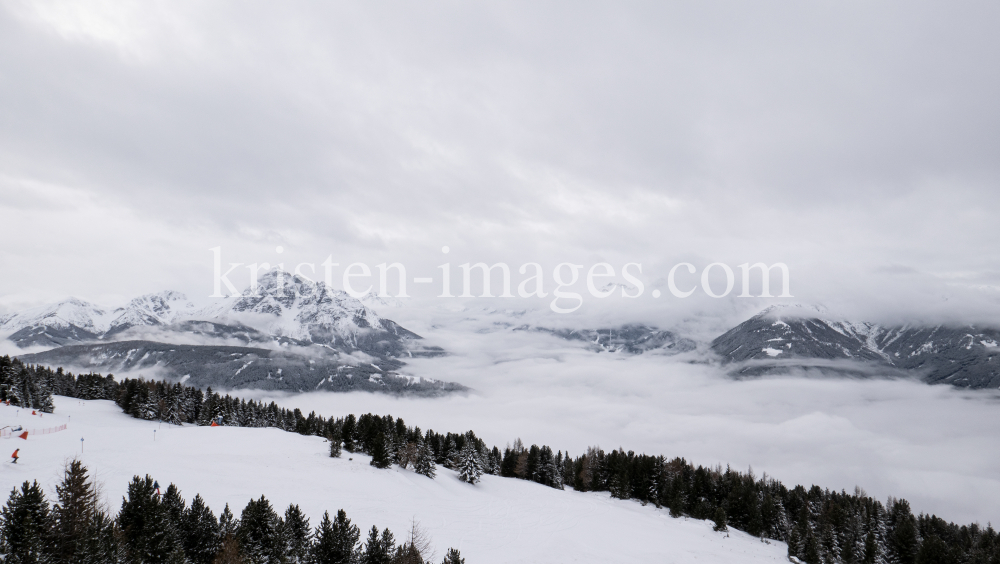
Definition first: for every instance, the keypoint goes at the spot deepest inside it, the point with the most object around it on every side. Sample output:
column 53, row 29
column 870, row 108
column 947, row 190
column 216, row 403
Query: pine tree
column 903, row 540
column 348, row 431
column 227, row 523
column 453, row 557
column 78, row 525
column 424, row 462
column 469, row 467
column 259, row 533
column 380, row 452
column 297, row 535
column 720, row 520
column 200, row 532
column 147, row 533
column 24, row 524
column 45, row 403
column 449, row 454
column 336, row 541
column 493, row 466
column 335, row 443
column 175, row 507
column 100, row 544
column 379, row 549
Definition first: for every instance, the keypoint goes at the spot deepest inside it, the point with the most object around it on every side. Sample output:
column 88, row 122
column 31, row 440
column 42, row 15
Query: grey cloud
column 834, row 137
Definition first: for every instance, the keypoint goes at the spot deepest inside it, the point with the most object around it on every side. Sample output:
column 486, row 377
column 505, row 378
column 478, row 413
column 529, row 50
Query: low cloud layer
column 933, row 445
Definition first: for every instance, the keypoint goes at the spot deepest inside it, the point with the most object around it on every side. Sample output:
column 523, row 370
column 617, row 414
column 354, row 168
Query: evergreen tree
column 493, row 465
column 147, row 533
column 259, row 533
column 348, row 431
column 379, row 549
column 44, row 401
column 449, row 454
column 227, row 523
column 297, row 535
column 903, row 541
column 80, row 530
column 935, row 551
column 99, row 544
column 720, row 520
column 73, row 513
column 453, row 557
column 175, row 507
column 424, row 461
column 335, row 443
column 336, row 541
column 469, row 467
column 380, row 452
column 24, row 525
column 201, row 532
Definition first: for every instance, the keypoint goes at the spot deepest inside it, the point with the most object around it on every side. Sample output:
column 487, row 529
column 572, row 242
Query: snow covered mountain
column 778, row 340
column 77, row 321
column 292, row 334
column 151, row 310
column 69, row 321
column 288, row 306
column 284, row 309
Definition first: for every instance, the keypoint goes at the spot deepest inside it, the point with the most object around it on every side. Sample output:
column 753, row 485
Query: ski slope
column 499, row 520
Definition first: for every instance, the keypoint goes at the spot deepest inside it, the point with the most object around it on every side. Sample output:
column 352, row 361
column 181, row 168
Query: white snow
column 150, row 309
column 772, row 352
column 61, row 315
column 497, row 520
column 297, row 308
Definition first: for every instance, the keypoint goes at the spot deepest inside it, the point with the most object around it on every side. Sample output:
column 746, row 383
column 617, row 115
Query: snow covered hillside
column 497, row 520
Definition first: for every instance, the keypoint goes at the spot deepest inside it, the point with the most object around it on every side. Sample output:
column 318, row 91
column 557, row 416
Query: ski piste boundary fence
column 8, row 433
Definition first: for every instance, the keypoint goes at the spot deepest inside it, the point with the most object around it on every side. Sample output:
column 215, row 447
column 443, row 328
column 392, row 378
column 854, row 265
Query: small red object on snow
column 33, row 412
column 24, row 435
column 214, row 424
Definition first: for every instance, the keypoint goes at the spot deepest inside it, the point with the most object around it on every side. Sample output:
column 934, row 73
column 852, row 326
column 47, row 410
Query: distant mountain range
column 290, row 334
column 294, row 334
column 633, row 339
column 780, row 340
column 77, row 321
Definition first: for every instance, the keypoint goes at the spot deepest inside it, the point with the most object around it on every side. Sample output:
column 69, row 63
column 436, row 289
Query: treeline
column 163, row 529
column 819, row 525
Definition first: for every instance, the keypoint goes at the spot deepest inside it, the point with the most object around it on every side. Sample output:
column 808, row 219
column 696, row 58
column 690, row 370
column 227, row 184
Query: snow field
column 499, row 520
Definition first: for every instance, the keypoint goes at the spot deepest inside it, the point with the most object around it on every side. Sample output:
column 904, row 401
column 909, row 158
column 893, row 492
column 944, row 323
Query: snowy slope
column 498, row 520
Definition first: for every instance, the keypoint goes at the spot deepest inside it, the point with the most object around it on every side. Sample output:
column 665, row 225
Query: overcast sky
column 856, row 142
